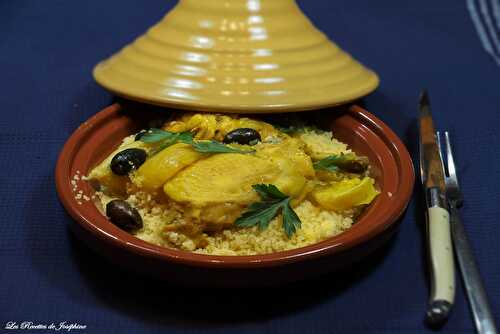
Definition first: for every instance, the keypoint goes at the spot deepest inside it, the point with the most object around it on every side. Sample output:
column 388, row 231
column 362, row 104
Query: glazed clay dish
column 388, row 183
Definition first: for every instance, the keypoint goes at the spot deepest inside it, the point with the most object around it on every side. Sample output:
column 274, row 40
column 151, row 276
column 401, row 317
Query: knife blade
column 442, row 268
column 431, row 164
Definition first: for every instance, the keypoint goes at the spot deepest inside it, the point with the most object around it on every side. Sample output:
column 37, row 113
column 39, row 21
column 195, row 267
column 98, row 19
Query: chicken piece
column 291, row 150
column 306, row 190
column 203, row 126
column 214, row 191
column 221, row 178
column 216, row 126
column 217, row 216
column 164, row 165
column 102, row 175
column 213, row 217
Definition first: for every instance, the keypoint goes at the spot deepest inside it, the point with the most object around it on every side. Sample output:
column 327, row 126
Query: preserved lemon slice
column 164, row 165
column 346, row 194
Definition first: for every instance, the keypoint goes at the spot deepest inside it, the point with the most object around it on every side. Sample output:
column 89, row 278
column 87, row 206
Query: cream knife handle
column 483, row 317
column 441, row 266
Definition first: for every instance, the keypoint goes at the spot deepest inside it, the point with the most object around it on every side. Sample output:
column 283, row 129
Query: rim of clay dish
column 379, row 216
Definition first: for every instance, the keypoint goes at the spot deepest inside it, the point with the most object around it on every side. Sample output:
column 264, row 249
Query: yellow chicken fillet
column 291, row 151
column 221, row 178
column 153, row 174
column 228, row 178
column 345, row 194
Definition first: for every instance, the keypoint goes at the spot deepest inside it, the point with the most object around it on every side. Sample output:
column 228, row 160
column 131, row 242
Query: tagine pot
column 252, row 56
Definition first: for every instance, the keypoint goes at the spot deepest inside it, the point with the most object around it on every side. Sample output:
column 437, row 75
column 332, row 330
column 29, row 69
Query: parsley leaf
column 258, row 213
column 155, row 135
column 347, row 162
column 273, row 202
column 291, row 222
column 167, row 138
column 329, row 163
column 213, row 146
column 268, row 192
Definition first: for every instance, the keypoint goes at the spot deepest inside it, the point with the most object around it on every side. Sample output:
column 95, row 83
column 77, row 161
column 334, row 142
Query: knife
column 442, row 269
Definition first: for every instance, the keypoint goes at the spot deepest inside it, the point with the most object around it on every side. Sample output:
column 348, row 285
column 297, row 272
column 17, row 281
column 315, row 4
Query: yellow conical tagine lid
column 252, row 56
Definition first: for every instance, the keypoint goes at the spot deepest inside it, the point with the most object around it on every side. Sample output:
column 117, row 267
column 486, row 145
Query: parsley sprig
column 213, row 146
column 348, row 162
column 272, row 202
column 167, row 138
column 155, row 135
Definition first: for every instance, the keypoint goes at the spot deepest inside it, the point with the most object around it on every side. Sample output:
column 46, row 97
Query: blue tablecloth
column 47, row 51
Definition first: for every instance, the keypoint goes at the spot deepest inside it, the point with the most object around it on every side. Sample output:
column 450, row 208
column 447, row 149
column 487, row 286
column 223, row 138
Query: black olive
column 123, row 215
column 127, row 160
column 354, row 165
column 242, row 136
column 139, row 135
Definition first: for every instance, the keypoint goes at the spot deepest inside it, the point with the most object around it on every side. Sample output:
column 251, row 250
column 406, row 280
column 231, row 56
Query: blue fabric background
column 47, row 51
